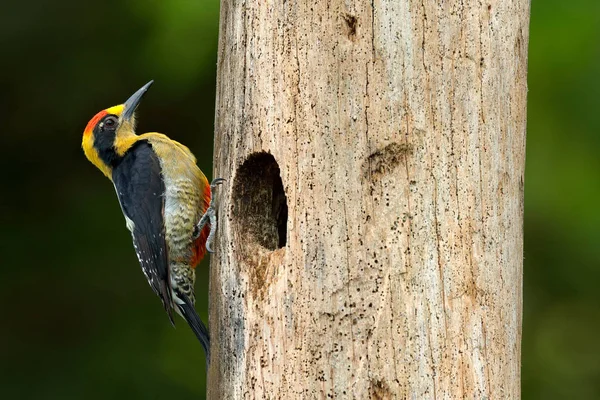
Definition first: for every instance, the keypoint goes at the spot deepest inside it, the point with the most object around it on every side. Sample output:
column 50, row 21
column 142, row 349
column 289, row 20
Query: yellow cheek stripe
column 92, row 155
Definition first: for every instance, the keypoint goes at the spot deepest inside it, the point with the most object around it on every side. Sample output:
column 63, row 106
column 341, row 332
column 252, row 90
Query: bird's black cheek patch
column 260, row 207
column 104, row 142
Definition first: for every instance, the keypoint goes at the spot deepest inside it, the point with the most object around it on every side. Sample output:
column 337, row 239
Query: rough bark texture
column 398, row 127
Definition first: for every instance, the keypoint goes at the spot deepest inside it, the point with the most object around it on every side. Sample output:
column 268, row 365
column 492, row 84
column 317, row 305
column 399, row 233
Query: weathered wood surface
column 399, row 130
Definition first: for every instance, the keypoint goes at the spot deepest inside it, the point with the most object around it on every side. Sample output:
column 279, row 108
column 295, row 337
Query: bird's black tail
column 193, row 319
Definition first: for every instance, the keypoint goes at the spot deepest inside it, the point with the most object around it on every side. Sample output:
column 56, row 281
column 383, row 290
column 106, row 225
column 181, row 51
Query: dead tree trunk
column 370, row 240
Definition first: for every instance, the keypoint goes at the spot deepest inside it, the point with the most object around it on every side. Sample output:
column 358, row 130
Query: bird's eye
column 110, row 122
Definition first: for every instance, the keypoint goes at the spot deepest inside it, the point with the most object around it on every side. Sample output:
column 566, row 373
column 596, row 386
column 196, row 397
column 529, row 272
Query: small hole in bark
column 260, row 205
column 380, row 390
column 351, row 22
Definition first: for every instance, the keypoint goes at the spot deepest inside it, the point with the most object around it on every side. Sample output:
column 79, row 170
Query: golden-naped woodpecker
column 166, row 201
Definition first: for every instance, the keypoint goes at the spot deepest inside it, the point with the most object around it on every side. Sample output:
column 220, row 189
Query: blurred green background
column 79, row 320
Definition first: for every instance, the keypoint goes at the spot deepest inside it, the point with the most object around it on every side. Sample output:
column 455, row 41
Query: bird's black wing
column 140, row 188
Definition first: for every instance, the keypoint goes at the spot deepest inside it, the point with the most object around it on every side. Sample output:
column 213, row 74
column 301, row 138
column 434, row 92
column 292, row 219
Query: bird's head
column 111, row 132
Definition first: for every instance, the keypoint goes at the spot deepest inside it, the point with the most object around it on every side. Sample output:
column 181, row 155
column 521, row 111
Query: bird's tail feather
column 193, row 319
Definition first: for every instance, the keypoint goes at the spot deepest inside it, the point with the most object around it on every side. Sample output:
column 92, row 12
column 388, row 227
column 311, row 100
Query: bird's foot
column 210, row 216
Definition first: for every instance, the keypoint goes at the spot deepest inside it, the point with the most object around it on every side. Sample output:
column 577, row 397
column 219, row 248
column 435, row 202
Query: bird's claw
column 214, row 183
column 210, row 217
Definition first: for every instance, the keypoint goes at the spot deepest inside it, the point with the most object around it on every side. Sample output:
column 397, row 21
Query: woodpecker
column 166, row 201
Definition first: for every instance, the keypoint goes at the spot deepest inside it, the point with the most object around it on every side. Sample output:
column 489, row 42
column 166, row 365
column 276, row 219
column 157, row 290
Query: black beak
column 132, row 102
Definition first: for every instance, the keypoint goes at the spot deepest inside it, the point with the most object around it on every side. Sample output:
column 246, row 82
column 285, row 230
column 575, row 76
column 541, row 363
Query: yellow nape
column 124, row 140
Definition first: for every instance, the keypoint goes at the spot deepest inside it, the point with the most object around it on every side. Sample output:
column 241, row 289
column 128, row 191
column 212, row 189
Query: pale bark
column 399, row 130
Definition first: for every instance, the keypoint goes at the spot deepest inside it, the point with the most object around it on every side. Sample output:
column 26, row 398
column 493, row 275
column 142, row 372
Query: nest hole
column 260, row 205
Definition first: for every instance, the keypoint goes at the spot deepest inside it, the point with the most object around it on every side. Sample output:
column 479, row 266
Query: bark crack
column 347, row 240
column 439, row 253
column 430, row 347
column 373, row 30
column 245, row 69
column 487, row 361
